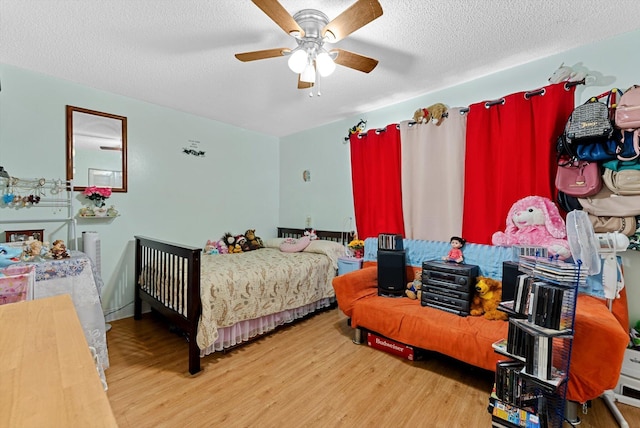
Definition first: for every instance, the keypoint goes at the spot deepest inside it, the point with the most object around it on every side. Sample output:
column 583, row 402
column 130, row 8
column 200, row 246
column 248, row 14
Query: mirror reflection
column 96, row 149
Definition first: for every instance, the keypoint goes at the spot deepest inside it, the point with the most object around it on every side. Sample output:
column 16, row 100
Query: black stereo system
column 392, row 277
column 448, row 286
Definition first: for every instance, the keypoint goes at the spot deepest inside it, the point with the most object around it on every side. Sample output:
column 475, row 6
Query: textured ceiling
column 180, row 54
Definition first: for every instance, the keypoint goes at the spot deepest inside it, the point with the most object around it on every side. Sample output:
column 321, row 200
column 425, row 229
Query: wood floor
column 308, row 374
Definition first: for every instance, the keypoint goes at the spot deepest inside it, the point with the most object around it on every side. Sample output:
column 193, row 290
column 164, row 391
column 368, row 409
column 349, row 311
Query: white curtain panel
column 433, row 177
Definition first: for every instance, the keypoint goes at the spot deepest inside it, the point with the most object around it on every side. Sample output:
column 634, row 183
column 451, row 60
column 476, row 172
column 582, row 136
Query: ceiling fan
column 311, row 30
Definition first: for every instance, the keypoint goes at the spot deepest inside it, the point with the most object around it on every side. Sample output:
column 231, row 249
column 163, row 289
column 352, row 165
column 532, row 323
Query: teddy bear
column 59, row 250
column 254, row 241
column 487, row 296
column 434, row 113
column 414, row 288
column 535, row 221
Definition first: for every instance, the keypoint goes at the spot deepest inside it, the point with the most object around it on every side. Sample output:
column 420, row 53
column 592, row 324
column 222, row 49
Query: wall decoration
column 193, row 149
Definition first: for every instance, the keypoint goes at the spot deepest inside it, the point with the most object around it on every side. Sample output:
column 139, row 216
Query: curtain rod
column 488, row 104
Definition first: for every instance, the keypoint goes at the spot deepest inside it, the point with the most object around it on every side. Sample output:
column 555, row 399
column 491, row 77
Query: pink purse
column 579, row 178
column 628, row 110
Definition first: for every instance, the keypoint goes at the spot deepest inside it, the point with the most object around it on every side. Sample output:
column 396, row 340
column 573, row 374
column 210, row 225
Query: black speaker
column 392, row 280
column 510, row 274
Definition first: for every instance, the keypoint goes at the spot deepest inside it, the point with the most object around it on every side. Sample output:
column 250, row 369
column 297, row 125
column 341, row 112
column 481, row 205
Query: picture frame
column 23, row 235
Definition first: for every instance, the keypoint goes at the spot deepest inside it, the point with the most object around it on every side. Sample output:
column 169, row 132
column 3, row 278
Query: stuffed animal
column 436, row 113
column 59, row 250
column 222, row 247
column 9, row 255
column 486, row 298
column 433, row 113
column 535, row 221
column 254, row 241
column 311, row 233
column 564, row 73
column 421, row 115
column 242, row 242
column 211, row 247
column 231, row 243
column 414, row 288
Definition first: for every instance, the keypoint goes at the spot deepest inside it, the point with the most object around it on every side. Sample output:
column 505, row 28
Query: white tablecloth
column 77, row 276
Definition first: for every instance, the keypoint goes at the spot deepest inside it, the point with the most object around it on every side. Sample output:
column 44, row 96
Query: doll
column 455, row 254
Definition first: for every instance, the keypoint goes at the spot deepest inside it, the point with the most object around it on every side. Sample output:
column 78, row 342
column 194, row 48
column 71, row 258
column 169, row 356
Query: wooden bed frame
column 173, row 288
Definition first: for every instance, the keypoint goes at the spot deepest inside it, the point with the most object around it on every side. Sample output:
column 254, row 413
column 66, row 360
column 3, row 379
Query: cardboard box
column 390, row 346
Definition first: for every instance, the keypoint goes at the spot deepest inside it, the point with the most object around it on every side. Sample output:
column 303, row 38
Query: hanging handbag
column 623, row 145
column 624, row 225
column 625, row 182
column 579, row 178
column 607, row 204
column 567, row 202
column 589, row 123
column 627, row 114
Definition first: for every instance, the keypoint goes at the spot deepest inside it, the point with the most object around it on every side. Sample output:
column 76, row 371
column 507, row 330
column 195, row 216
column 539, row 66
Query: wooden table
column 48, row 377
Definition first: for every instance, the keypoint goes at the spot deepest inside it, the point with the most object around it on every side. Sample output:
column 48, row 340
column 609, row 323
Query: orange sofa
column 598, row 346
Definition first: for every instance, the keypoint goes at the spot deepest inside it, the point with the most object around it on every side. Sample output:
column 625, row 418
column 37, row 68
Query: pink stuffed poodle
column 535, row 221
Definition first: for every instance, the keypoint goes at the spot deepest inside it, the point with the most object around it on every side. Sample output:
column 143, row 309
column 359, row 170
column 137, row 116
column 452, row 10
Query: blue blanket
column 488, row 258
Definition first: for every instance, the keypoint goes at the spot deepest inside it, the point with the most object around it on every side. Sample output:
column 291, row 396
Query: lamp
column 309, row 74
column 298, row 61
column 325, row 64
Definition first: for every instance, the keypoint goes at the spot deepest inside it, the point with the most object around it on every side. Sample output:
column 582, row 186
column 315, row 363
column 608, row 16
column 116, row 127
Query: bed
column 220, row 301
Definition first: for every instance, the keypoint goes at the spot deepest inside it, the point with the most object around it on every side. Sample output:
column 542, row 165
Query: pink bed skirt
column 246, row 330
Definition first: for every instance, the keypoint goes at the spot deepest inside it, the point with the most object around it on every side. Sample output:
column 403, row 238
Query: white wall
column 172, row 196
column 327, row 198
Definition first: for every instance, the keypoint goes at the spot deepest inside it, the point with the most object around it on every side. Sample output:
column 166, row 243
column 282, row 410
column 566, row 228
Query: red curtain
column 510, row 154
column 376, row 177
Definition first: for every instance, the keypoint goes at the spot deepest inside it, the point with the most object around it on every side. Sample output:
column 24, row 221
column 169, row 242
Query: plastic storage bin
column 348, row 264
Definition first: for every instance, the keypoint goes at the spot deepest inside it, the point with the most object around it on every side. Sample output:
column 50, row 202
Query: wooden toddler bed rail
column 168, row 279
column 170, row 283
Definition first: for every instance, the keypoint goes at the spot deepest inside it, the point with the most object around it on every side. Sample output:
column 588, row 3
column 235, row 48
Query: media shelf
column 531, row 382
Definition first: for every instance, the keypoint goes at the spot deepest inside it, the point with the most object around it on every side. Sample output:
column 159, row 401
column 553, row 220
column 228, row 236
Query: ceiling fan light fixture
column 298, row 61
column 309, row 74
column 325, row 64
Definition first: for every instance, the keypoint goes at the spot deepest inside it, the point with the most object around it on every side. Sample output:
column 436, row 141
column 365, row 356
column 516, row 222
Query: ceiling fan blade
column 354, row 60
column 356, row 16
column 267, row 53
column 304, row 85
column 274, row 10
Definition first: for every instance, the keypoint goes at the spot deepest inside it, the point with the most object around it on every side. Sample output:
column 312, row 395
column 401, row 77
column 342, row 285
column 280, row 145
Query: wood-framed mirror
column 96, row 149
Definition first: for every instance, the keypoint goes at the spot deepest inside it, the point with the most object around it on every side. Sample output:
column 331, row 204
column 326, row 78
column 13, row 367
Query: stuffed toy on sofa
column 535, row 221
column 486, row 299
column 414, row 288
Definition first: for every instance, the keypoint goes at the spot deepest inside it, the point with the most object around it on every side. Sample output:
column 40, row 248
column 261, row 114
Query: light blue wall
column 172, row 196
column 246, row 179
column 327, row 197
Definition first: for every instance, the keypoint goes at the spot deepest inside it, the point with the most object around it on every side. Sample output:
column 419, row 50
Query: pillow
column 331, row 249
column 290, row 245
column 273, row 242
